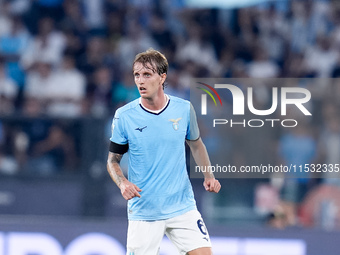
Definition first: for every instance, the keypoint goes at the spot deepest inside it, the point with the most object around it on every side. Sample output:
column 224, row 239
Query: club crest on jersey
column 175, row 123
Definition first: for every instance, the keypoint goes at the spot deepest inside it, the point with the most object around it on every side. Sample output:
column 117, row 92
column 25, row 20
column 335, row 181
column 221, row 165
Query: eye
column 147, row 75
column 136, row 75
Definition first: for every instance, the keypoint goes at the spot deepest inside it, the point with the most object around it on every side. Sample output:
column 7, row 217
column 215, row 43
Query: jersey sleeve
column 119, row 141
column 193, row 132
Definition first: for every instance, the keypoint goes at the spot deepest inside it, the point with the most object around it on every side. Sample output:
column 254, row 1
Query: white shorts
column 187, row 232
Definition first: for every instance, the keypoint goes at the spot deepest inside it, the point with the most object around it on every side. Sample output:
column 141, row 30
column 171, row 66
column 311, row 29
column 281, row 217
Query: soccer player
column 153, row 129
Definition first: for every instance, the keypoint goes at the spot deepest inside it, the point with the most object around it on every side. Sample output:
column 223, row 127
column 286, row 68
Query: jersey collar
column 157, row 112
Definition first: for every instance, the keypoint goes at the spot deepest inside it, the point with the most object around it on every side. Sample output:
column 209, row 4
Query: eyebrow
column 143, row 72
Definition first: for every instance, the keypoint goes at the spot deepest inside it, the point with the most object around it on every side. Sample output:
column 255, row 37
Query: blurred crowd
column 72, row 59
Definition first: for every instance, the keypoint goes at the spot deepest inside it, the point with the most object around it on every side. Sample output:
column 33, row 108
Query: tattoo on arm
column 116, row 158
column 114, row 169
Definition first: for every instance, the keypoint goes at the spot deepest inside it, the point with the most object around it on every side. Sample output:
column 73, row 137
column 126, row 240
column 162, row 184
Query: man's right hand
column 129, row 190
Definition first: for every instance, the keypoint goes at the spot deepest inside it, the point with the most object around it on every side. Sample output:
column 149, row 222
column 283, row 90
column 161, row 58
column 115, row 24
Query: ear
column 163, row 77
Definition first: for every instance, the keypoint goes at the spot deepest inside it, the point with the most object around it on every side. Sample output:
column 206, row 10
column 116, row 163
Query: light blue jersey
column 157, row 162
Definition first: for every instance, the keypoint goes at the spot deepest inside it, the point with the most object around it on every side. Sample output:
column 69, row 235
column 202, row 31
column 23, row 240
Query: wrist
column 209, row 176
column 122, row 183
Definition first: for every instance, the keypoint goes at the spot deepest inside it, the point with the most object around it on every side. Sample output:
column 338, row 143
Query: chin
column 144, row 96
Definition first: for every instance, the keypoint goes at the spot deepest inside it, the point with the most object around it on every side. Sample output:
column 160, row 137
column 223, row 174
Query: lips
column 142, row 89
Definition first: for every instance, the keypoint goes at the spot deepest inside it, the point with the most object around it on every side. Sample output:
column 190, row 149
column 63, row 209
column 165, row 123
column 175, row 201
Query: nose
column 139, row 80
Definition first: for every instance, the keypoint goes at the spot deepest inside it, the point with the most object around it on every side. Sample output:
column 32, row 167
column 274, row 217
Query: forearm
column 201, row 157
column 128, row 189
column 114, row 169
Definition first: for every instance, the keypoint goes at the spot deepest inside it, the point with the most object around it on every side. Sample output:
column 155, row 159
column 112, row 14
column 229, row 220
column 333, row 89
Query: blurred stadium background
column 65, row 66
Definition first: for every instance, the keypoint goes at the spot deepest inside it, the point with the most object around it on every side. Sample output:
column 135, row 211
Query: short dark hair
column 152, row 57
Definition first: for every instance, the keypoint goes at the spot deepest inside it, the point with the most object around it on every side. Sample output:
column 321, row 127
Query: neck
column 155, row 103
